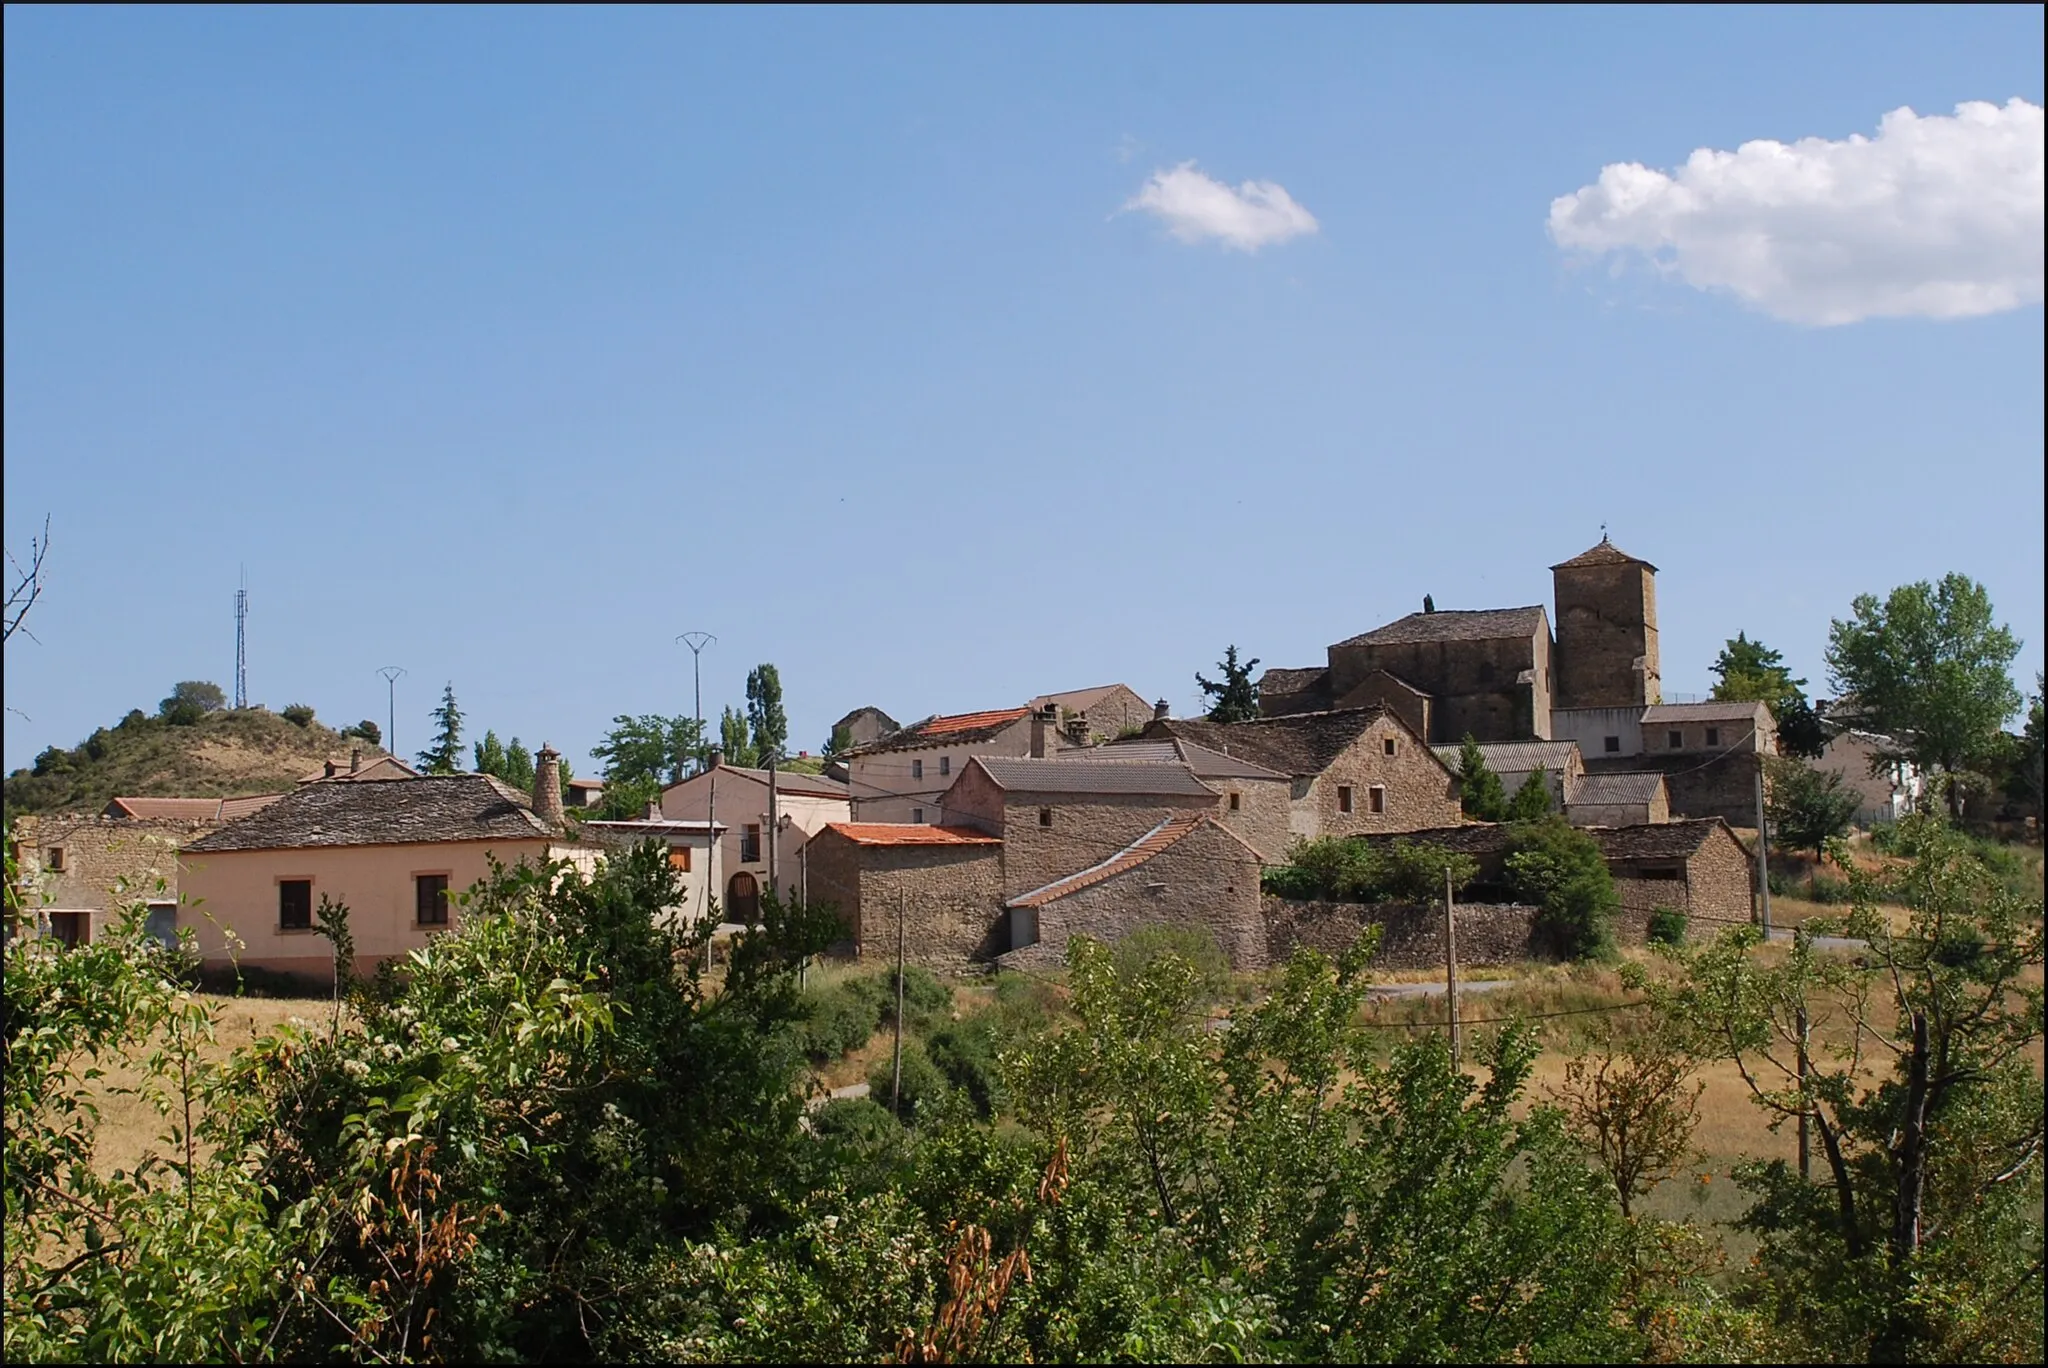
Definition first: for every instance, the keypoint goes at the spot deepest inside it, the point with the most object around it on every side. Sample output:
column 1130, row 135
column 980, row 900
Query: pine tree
column 1479, row 788
column 1236, row 697
column 519, row 767
column 445, row 755
column 1531, row 802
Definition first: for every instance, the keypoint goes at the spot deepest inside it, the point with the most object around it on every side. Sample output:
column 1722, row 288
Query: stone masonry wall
column 1261, row 815
column 1606, row 619
column 1086, row 830
column 1411, row 936
column 1724, row 788
column 1420, row 792
column 1473, row 683
column 1206, row 879
column 101, row 854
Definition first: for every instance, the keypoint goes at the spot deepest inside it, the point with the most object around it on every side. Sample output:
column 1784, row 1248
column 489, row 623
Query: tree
column 1480, row 793
column 838, row 743
column 1808, row 807
column 519, row 767
column 1634, row 1104
column 1531, row 802
column 25, row 585
column 298, row 714
column 1922, row 1241
column 191, row 700
column 1560, row 869
column 366, row 729
column 1929, row 669
column 2022, row 768
column 489, row 754
column 732, row 736
column 770, row 725
column 444, row 756
column 1236, row 697
column 649, row 748
column 1751, row 672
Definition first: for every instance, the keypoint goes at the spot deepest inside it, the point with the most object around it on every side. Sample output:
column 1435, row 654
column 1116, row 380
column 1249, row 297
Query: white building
column 737, row 799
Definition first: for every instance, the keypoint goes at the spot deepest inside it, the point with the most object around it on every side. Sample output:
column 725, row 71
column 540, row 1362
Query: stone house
column 1618, row 800
column 1515, row 761
column 736, row 797
column 1708, row 753
column 1888, row 786
column 1350, row 771
column 1253, row 801
column 900, row 777
column 1096, row 715
column 379, row 767
column 865, row 725
column 938, row 887
column 391, row 850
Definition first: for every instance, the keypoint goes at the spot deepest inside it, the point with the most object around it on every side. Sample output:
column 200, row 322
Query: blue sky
column 506, row 345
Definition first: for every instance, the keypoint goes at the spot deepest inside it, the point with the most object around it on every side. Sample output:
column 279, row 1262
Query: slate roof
column 1295, row 744
column 1616, row 788
column 1206, row 763
column 1455, row 624
column 1515, row 757
column 1078, row 700
column 911, row 834
column 954, row 730
column 1658, row 840
column 1160, row 838
column 1022, row 774
column 188, row 809
column 1281, row 680
column 440, row 807
column 786, row 781
column 1606, row 553
column 1700, row 712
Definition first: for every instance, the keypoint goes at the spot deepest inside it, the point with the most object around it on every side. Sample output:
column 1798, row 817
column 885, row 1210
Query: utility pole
column 773, row 825
column 241, row 642
column 1805, row 1154
column 1451, row 961
column 391, row 674
column 896, row 1062
column 1763, row 855
column 697, row 641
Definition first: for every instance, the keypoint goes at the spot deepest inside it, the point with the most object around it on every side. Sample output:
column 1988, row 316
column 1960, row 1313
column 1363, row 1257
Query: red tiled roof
column 910, row 834
column 1159, row 838
column 942, row 726
column 189, row 809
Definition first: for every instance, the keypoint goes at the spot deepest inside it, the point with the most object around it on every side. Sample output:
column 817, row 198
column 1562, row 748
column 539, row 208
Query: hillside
column 223, row 754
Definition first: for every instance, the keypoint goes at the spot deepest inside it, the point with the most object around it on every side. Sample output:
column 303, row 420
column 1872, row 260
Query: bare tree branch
column 26, row 586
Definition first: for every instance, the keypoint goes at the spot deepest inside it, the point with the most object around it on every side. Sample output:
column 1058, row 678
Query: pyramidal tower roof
column 1606, row 553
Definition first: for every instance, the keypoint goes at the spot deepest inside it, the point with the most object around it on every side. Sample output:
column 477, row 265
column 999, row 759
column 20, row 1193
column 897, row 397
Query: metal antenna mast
column 697, row 641
column 391, row 674
column 242, row 642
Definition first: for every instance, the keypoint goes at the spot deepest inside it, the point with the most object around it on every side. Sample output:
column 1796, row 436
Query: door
column 742, row 899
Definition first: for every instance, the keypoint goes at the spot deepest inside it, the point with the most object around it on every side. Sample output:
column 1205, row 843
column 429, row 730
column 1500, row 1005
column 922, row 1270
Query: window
column 679, row 859
column 750, row 842
column 1045, row 817
column 1389, row 745
column 1376, row 799
column 162, row 923
column 1677, row 739
column 295, row 904
column 1612, row 745
column 1343, row 798
column 917, row 769
column 1713, row 736
column 1233, row 802
column 54, row 861
column 917, row 814
column 945, row 764
column 72, row 929
column 430, row 899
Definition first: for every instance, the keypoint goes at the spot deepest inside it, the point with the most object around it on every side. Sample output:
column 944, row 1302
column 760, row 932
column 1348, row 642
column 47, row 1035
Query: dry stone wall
column 1411, row 936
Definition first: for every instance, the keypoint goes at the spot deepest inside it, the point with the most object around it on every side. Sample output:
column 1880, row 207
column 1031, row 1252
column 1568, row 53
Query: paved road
column 1437, row 989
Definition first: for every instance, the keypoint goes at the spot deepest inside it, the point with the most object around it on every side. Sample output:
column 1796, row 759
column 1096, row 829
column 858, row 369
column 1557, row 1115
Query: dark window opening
column 945, row 764
column 917, row 769
column 430, row 899
column 1045, row 817
column 72, row 929
column 295, row 904
column 1677, row 739
column 1389, row 744
column 750, row 842
column 917, row 814
column 1612, row 745
column 1376, row 798
column 162, row 923
column 55, row 860
column 1713, row 736
column 1233, row 802
column 1343, row 798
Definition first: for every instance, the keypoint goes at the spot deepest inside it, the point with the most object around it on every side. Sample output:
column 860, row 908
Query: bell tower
column 1606, row 630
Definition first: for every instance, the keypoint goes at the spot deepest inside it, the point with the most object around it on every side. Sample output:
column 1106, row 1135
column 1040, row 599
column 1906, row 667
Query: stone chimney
column 1042, row 718
column 331, row 767
column 717, row 758
column 654, row 809
column 1160, row 711
column 547, row 787
column 355, row 760
column 1077, row 729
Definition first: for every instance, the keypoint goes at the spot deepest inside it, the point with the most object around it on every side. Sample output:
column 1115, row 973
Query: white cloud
column 1936, row 217
column 1195, row 207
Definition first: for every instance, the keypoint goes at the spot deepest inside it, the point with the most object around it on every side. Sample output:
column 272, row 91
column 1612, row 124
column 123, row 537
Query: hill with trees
column 190, row 747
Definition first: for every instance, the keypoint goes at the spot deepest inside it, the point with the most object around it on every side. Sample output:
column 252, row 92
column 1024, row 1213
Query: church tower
column 1606, row 630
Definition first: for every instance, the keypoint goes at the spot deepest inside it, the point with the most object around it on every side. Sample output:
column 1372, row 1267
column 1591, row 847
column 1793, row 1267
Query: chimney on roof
column 654, row 809
column 547, row 786
column 717, row 758
column 1041, row 718
column 1160, row 711
column 1077, row 729
column 355, row 760
column 330, row 769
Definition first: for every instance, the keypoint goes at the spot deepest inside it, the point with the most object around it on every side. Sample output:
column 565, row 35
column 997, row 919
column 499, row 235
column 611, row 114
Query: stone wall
column 1420, row 791
column 1412, row 937
column 1724, row 787
column 1207, row 879
column 107, row 862
column 1475, row 686
column 1261, row 817
column 1086, row 830
column 1606, row 622
column 949, row 898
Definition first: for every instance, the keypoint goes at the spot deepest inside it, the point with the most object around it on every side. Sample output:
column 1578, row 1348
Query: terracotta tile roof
column 1295, row 744
column 1701, row 712
column 911, row 834
column 1023, row 774
column 1159, row 838
column 188, row 809
column 1080, row 700
column 437, row 807
column 1455, row 624
column 1606, row 553
column 1596, row 789
column 957, row 729
column 1658, row 840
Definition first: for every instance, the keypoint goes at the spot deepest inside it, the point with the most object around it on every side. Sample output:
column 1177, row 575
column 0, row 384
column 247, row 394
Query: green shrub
column 965, row 1052
column 1192, row 943
column 1413, row 872
column 840, row 1018
column 1290, row 881
column 1667, row 926
column 857, row 1124
column 1825, row 888
column 924, row 1087
column 925, row 997
column 1784, row 884
column 298, row 714
column 1559, row 868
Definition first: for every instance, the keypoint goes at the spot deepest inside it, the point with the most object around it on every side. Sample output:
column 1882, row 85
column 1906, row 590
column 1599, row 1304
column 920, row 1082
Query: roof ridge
column 1158, row 840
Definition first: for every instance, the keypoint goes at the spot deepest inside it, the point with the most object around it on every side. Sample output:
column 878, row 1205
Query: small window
column 54, row 861
column 917, row 814
column 1612, row 745
column 295, row 904
column 72, row 929
column 679, row 859
column 1376, row 799
column 1677, row 740
column 1045, row 817
column 750, row 843
column 1233, row 802
column 945, row 764
column 1343, row 798
column 1713, row 736
column 917, row 769
column 1389, row 745
column 430, row 899
column 162, row 923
